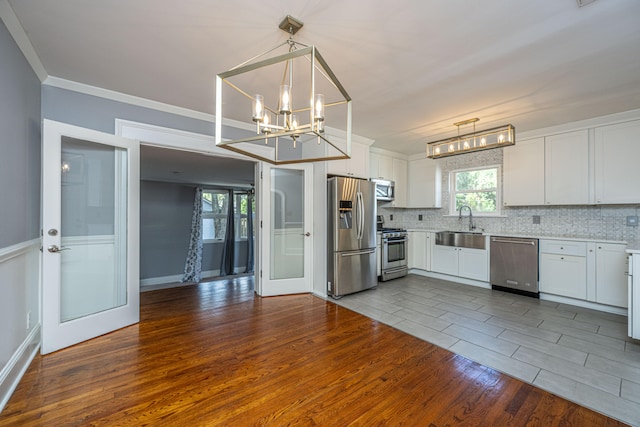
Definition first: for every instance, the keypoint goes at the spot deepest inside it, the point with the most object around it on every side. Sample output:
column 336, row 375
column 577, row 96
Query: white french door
column 90, row 217
column 285, row 236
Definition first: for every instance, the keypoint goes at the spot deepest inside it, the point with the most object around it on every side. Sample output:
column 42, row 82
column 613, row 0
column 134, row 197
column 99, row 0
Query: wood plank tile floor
column 214, row 354
column 580, row 354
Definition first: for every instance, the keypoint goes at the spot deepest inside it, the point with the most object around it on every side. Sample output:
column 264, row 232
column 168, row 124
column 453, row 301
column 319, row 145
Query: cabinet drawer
column 563, row 247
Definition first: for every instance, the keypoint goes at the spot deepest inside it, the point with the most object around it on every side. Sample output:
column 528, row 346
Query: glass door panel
column 287, row 224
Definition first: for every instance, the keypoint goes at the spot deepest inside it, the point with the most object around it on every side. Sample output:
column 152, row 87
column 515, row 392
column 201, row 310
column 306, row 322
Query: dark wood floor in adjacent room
column 214, row 354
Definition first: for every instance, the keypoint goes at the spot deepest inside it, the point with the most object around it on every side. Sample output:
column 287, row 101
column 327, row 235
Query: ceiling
column 162, row 164
column 412, row 67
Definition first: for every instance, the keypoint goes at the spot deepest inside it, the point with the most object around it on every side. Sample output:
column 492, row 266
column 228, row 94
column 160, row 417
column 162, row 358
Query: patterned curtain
column 193, row 266
column 228, row 262
column 250, row 232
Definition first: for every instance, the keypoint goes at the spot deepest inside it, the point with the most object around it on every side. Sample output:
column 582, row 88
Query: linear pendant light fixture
column 497, row 137
column 287, row 99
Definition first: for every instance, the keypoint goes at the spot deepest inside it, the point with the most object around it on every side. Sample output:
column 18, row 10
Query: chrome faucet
column 472, row 226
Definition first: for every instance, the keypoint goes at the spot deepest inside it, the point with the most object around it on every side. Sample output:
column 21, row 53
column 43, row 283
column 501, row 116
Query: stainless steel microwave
column 384, row 189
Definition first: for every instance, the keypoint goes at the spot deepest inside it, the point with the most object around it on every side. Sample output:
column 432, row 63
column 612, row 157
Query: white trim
column 159, row 136
column 455, row 279
column 584, row 304
column 580, row 125
column 452, row 192
column 12, row 23
column 15, row 368
column 153, row 281
column 18, row 249
column 395, row 154
column 123, row 97
column 543, row 296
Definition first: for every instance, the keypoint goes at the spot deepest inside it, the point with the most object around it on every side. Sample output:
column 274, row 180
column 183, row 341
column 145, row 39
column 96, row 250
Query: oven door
column 394, row 253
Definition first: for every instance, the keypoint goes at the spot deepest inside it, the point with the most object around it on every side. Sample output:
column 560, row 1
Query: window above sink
column 478, row 188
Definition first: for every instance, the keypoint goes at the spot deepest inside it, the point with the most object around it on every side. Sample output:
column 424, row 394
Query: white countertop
column 632, row 246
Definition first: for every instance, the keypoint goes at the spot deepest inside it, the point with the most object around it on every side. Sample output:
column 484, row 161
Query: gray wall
column 165, row 228
column 97, row 113
column 19, row 145
column 19, row 210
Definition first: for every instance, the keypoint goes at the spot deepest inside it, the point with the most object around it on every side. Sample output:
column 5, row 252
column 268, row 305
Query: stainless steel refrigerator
column 351, row 241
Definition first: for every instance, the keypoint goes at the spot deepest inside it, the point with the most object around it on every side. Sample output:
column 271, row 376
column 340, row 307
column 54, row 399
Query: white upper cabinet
column 567, row 168
column 380, row 166
column 523, row 173
column 400, row 179
column 617, row 174
column 425, row 184
column 357, row 166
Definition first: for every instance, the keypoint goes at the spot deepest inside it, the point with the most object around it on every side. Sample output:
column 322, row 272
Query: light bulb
column 501, row 138
column 437, row 150
column 451, row 148
column 483, row 142
column 318, row 112
column 465, row 145
column 285, row 99
column 258, row 108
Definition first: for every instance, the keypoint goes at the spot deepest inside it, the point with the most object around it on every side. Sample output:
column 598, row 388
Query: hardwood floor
column 214, row 354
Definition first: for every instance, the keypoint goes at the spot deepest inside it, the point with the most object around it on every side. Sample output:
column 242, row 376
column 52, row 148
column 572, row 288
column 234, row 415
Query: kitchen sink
column 461, row 239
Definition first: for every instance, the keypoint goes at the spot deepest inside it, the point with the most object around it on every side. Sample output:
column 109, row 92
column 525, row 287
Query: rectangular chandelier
column 497, row 137
column 281, row 103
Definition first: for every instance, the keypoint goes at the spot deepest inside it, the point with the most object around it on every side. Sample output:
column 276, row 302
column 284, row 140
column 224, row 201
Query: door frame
column 175, row 139
column 159, row 136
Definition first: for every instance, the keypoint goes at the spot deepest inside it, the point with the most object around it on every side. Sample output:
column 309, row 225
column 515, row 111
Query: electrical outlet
column 391, row 217
column 536, row 219
column 419, row 217
column 632, row 220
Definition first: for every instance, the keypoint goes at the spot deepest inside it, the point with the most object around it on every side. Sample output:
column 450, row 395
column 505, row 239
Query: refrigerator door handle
column 361, row 215
column 358, row 216
column 367, row 252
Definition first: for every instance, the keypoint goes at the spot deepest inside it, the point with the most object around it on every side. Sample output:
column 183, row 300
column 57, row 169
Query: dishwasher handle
column 516, row 241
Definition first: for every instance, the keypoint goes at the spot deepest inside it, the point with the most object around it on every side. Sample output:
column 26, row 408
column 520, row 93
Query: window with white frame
column 241, row 211
column 214, row 215
column 478, row 188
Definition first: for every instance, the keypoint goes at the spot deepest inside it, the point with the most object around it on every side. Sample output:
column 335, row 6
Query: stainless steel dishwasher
column 514, row 265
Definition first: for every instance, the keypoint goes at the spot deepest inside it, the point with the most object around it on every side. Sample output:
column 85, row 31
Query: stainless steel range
column 394, row 253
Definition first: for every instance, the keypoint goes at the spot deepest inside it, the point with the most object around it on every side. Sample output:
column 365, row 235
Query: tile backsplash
column 592, row 222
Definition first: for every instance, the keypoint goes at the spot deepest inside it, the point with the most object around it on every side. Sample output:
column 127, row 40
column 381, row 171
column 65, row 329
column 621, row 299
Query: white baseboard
column 455, row 279
column 160, row 280
column 584, row 304
column 543, row 296
column 153, row 281
column 15, row 368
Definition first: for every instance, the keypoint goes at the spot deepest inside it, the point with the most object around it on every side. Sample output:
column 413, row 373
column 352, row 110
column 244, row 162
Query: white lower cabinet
column 461, row 262
column 590, row 271
column 611, row 263
column 418, row 251
column 564, row 275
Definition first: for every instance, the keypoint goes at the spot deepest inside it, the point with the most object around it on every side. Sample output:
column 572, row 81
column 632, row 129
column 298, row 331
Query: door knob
column 307, row 234
column 54, row 248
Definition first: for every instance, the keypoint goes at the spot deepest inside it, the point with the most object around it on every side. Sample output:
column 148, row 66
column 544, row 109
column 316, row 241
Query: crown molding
column 12, row 23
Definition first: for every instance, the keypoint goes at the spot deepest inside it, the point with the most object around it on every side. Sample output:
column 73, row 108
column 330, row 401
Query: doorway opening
column 170, row 181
